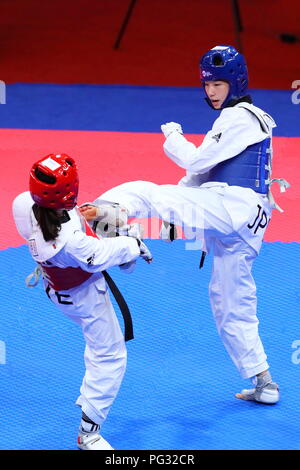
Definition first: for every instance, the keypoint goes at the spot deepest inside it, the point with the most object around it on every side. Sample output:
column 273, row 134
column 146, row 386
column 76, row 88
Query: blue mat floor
column 122, row 108
column 178, row 391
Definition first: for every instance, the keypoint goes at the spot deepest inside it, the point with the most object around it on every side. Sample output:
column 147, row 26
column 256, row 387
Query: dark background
column 72, row 41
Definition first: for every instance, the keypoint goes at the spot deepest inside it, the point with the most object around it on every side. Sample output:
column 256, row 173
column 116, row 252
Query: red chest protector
column 66, row 278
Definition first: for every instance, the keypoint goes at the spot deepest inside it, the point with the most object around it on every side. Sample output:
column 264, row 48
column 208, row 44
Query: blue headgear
column 227, row 64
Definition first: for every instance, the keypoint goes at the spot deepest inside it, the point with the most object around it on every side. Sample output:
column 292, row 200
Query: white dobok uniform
column 87, row 304
column 223, row 215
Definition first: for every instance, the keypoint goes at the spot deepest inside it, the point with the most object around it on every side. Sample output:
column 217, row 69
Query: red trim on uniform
column 89, row 231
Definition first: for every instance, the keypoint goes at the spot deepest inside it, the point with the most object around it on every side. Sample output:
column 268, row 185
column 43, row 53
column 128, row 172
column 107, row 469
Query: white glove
column 145, row 253
column 135, row 231
column 170, row 127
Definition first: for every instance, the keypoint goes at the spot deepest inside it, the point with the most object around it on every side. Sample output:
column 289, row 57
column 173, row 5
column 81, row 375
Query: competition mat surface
column 178, row 391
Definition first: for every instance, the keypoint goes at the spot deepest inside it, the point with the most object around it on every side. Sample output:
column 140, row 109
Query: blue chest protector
column 249, row 169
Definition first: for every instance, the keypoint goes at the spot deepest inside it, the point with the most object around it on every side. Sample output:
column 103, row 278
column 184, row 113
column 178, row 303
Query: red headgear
column 53, row 182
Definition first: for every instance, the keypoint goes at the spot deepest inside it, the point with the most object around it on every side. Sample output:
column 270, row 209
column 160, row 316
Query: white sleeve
column 93, row 254
column 21, row 209
column 234, row 130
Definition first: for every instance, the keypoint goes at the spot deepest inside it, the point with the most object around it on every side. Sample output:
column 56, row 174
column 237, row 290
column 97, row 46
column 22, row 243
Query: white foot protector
column 266, row 391
column 92, row 441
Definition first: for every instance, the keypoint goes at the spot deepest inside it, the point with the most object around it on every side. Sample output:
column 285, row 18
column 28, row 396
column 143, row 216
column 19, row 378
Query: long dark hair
column 48, row 220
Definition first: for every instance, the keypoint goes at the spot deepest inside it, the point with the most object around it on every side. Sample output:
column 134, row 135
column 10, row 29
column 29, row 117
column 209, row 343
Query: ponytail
column 48, row 220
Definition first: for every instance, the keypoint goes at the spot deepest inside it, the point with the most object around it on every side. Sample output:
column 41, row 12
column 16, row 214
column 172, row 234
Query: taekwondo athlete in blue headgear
column 225, row 63
column 225, row 195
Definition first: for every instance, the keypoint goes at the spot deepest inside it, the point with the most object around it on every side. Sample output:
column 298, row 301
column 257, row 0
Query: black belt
column 128, row 333
column 202, row 259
